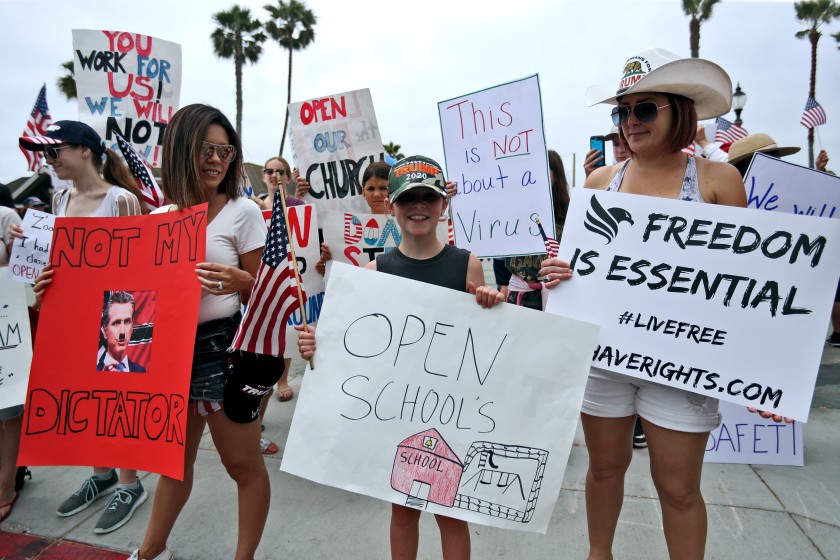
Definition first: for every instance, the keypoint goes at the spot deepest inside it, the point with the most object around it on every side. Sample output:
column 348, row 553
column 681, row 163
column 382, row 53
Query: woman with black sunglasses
column 659, row 100
column 202, row 163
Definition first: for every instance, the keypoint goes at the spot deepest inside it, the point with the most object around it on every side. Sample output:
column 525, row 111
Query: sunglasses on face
column 226, row 152
column 52, row 151
column 270, row 172
column 645, row 112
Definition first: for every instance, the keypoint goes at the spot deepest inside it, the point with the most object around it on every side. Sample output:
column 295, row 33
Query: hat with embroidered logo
column 412, row 172
column 65, row 132
column 660, row 71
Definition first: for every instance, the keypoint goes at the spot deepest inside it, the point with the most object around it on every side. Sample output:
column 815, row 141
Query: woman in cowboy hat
column 658, row 102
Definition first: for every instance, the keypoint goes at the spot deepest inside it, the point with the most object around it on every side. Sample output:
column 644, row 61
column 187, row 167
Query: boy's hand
column 485, row 296
column 306, row 342
column 554, row 271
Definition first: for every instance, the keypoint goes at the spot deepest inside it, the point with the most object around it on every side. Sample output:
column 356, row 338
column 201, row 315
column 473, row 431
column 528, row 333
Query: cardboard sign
column 118, row 283
column 15, row 343
column 31, row 253
column 780, row 186
column 334, row 138
column 413, row 400
column 356, row 238
column 749, row 439
column 494, row 145
column 720, row 301
column 127, row 83
column 303, row 227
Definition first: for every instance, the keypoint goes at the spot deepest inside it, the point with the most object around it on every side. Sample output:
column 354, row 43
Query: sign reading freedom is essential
column 15, row 343
column 423, row 398
column 356, row 238
column 334, row 138
column 494, row 146
column 777, row 185
column 127, row 83
column 720, row 301
column 79, row 409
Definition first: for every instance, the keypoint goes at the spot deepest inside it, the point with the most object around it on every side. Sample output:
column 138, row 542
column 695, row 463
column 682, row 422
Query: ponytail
column 117, row 173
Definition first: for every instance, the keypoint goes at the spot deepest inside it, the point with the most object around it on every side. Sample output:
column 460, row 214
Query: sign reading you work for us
column 719, row 301
column 494, row 145
column 111, row 368
column 413, row 400
column 127, row 83
column 780, row 186
column 334, row 138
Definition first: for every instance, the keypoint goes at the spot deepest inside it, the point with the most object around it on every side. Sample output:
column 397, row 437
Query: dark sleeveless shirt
column 447, row 269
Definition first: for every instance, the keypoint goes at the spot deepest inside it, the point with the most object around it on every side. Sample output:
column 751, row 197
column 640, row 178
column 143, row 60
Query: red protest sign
column 111, row 368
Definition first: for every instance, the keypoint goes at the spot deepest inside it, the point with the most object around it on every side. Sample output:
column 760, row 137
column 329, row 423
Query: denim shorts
column 11, row 413
column 209, row 369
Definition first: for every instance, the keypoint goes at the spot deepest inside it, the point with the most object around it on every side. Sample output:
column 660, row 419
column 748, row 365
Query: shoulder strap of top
column 615, row 184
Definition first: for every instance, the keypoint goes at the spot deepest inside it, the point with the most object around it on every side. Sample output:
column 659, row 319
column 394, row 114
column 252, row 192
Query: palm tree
column 393, row 150
column 67, row 83
column 700, row 11
column 814, row 13
column 291, row 25
column 238, row 37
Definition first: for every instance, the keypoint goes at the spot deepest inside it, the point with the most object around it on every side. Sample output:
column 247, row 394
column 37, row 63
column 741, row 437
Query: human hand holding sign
column 485, row 296
column 554, row 271
column 222, row 279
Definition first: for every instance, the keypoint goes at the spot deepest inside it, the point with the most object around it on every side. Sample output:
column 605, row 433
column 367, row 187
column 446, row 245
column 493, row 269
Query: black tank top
column 447, row 269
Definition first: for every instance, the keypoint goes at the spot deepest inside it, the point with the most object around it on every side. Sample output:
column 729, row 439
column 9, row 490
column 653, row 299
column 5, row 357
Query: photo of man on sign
column 118, row 320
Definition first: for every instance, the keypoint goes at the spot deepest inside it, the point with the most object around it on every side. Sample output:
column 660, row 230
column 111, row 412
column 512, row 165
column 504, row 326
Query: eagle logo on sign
column 605, row 222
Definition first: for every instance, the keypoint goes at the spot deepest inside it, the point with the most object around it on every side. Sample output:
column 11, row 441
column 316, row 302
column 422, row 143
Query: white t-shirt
column 109, row 208
column 238, row 229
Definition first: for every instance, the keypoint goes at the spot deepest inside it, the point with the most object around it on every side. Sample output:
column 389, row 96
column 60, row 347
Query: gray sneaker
column 120, row 508
column 92, row 489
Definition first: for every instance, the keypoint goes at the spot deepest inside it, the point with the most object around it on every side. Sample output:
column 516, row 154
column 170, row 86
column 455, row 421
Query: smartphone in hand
column 597, row 143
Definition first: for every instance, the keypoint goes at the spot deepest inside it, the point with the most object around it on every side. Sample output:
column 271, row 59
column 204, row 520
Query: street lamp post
column 739, row 99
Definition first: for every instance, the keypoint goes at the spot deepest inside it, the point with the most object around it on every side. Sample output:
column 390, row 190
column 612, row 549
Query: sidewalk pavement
column 753, row 511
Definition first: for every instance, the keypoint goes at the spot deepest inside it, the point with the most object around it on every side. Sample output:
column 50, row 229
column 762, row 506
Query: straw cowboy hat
column 660, row 71
column 747, row 146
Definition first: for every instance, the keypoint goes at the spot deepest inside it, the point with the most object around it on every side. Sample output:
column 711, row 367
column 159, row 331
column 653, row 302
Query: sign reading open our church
column 724, row 302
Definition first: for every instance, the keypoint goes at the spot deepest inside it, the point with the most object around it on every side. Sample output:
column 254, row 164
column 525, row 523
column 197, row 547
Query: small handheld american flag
column 552, row 247
column 149, row 189
column 275, row 293
column 37, row 125
column 728, row 131
column 814, row 115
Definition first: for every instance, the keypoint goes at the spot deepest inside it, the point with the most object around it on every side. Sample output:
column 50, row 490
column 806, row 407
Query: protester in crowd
column 657, row 115
column 741, row 151
column 595, row 157
column 75, row 151
column 525, row 288
column 33, row 202
column 821, row 162
column 278, row 175
column 202, row 162
column 712, row 150
column 10, row 417
column 422, row 256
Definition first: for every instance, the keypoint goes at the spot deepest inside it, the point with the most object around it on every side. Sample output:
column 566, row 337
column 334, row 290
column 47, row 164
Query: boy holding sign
column 417, row 199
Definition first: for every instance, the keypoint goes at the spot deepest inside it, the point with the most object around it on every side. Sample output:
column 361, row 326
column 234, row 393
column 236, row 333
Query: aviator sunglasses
column 52, row 151
column 226, row 152
column 645, row 112
column 270, row 172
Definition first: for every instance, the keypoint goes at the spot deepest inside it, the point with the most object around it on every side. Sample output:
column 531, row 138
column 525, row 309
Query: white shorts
column 614, row 395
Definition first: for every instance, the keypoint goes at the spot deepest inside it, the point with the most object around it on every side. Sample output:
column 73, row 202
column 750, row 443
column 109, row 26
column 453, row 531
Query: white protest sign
column 748, row 439
column 32, row 253
column 334, row 138
column 720, row 301
column 356, row 238
column 494, row 145
column 422, row 398
column 15, row 343
column 778, row 185
column 127, row 83
column 303, row 233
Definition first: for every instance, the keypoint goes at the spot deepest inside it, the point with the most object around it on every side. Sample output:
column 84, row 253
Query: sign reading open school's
column 725, row 302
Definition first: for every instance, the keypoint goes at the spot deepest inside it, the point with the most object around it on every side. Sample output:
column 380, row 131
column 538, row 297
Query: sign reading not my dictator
column 725, row 302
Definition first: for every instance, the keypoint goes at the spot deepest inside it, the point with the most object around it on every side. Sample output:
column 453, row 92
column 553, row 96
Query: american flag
column 552, row 247
column 37, row 125
column 728, row 132
column 142, row 171
column 688, row 150
column 813, row 115
column 274, row 297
